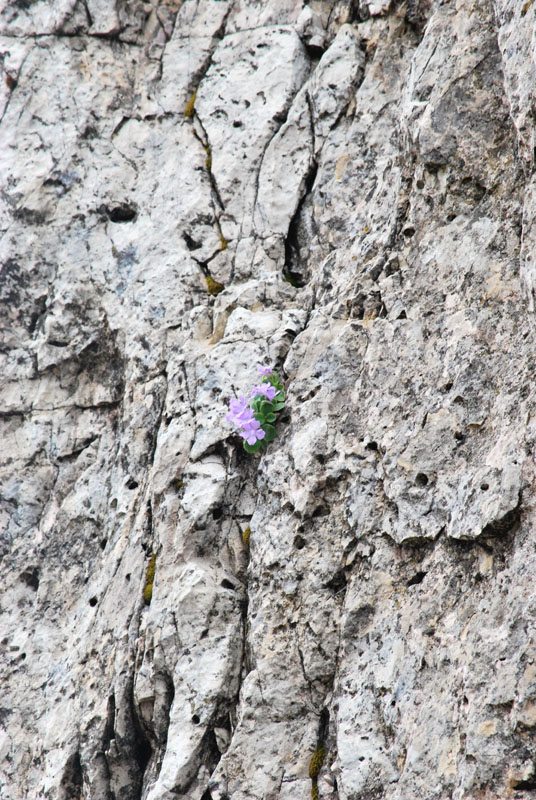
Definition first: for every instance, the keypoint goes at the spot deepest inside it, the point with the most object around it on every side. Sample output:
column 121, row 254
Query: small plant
column 255, row 419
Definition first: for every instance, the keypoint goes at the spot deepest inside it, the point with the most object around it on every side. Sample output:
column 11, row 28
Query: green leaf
column 251, row 448
column 270, row 433
column 279, row 405
column 270, row 417
column 266, row 407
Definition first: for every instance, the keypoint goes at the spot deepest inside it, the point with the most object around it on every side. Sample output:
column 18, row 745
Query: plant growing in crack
column 255, row 418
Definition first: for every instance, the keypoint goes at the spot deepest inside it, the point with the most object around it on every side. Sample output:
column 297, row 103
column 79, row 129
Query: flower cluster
column 254, row 417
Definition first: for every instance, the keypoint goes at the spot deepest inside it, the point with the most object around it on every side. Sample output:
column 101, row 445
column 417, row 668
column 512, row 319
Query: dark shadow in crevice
column 71, row 785
column 294, row 271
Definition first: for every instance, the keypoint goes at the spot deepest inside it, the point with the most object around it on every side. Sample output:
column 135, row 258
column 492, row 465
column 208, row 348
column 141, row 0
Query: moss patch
column 317, row 759
column 213, row 286
column 149, row 580
column 246, row 534
column 315, row 765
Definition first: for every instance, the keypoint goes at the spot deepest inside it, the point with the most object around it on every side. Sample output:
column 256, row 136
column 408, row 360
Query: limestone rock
column 357, row 178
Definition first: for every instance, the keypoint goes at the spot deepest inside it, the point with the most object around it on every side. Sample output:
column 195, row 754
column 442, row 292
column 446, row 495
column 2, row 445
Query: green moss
column 190, row 106
column 149, row 580
column 314, row 790
column 213, row 286
column 208, row 161
column 246, row 534
column 317, row 759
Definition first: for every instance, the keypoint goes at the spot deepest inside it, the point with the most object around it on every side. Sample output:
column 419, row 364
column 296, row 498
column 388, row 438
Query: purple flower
column 264, row 370
column 266, row 389
column 252, row 431
column 241, row 415
column 240, row 412
column 236, row 407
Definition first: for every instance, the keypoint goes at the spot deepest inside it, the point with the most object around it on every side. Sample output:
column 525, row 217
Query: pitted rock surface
column 358, row 176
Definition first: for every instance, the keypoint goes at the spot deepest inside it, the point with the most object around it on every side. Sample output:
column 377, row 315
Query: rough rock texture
column 359, row 177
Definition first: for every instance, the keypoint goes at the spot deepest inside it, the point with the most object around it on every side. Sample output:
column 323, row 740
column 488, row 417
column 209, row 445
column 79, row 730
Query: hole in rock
column 191, row 244
column 402, row 315
column 299, row 542
column 321, row 511
column 227, row 584
column 421, row 479
column 124, row 212
column 525, row 786
column 127, row 576
column 372, row 446
column 93, row 601
column 409, row 231
column 338, row 582
column 132, row 484
column 196, row 719
column 30, row 577
column 217, row 513
column 90, row 132
column 417, row 578
column 321, row 459
column 103, row 544
column 484, row 486
column 314, row 51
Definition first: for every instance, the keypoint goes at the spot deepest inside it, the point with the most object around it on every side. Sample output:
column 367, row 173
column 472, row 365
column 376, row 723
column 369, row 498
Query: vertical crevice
column 71, row 786
column 295, row 270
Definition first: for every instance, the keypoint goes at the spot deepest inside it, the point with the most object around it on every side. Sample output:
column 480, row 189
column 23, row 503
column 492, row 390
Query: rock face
column 342, row 189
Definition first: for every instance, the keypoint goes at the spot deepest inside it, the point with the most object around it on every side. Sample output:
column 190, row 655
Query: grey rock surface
column 358, row 176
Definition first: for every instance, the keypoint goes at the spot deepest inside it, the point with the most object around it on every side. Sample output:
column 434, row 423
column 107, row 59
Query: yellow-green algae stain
column 149, row 580
column 190, row 106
